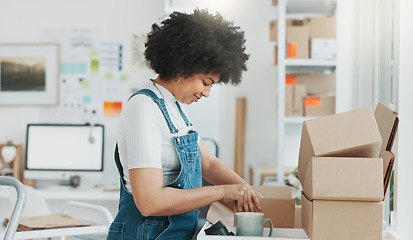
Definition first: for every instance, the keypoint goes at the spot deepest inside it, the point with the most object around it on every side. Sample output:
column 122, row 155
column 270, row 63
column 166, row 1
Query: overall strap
column 161, row 104
column 119, row 165
column 187, row 122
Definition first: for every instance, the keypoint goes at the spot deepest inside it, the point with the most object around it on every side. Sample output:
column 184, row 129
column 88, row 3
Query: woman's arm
column 216, row 172
column 153, row 199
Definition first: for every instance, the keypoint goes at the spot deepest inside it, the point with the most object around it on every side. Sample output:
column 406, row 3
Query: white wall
column 116, row 19
column 404, row 163
column 20, row 22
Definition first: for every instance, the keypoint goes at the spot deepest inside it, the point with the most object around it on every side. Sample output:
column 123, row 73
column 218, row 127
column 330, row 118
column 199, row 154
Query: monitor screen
column 59, row 151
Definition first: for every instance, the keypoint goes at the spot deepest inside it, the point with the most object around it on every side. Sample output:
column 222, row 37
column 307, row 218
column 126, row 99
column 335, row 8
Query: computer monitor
column 60, row 151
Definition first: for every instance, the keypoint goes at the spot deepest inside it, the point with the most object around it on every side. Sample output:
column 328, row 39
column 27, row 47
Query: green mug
column 251, row 224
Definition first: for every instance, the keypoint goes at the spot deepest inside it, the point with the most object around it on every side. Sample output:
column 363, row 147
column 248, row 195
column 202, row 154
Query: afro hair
column 187, row 44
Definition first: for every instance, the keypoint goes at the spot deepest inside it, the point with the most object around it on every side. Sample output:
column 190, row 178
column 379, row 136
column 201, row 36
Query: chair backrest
column 18, row 207
column 36, row 205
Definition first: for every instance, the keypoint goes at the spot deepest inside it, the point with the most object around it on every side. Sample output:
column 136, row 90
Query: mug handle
column 271, row 226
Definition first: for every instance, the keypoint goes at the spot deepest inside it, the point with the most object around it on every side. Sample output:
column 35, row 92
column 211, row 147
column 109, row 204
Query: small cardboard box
column 349, row 134
column 319, row 105
column 318, row 84
column 277, row 205
column 323, row 48
column 326, row 219
column 321, row 27
column 339, row 178
column 274, row 27
column 299, row 35
column 294, row 99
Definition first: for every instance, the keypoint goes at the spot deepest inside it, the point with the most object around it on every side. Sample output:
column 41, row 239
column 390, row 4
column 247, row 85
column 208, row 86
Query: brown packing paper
column 350, row 134
column 327, row 220
column 219, row 212
column 339, row 178
column 48, row 222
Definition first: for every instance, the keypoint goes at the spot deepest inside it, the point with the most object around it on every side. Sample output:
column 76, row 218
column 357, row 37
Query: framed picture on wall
column 29, row 74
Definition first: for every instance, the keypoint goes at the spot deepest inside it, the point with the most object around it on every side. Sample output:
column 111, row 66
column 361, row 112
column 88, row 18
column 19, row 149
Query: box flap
column 349, row 134
column 218, row 211
column 275, row 192
column 335, row 178
column 387, row 121
column 388, row 157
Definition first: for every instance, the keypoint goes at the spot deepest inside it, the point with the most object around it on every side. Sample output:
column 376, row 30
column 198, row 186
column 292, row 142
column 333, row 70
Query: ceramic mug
column 251, row 224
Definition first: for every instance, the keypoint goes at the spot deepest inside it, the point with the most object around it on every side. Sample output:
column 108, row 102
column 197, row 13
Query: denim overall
column 129, row 224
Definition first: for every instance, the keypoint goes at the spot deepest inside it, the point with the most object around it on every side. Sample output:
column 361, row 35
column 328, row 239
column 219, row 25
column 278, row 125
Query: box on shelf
column 277, row 205
column 349, row 134
column 320, row 105
column 317, row 84
column 299, row 35
column 326, row 219
column 341, row 178
column 323, row 48
column 294, row 97
column 274, row 27
column 275, row 2
column 321, row 27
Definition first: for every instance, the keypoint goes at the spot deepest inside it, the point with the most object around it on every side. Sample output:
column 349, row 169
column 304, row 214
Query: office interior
column 373, row 57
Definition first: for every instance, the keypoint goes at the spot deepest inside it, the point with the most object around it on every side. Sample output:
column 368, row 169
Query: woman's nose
column 206, row 93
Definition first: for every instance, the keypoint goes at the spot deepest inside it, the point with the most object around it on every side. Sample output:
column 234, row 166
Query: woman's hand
column 245, row 197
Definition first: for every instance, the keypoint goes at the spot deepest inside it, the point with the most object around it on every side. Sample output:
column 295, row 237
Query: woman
column 159, row 155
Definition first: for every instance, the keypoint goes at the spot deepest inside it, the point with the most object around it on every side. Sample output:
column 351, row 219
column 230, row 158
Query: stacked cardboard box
column 310, row 94
column 341, row 170
column 312, row 37
column 294, row 96
column 322, row 37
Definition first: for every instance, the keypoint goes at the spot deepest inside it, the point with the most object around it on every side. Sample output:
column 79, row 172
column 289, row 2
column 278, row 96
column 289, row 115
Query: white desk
column 56, row 197
column 278, row 233
column 94, row 229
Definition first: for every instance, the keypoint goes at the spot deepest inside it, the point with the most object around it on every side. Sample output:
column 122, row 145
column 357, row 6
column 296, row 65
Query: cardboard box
column 319, row 105
column 275, row 2
column 318, row 84
column 277, row 205
column 323, row 48
column 339, row 178
column 321, row 27
column 274, row 27
column 294, row 99
column 299, row 35
column 387, row 121
column 349, row 134
column 326, row 220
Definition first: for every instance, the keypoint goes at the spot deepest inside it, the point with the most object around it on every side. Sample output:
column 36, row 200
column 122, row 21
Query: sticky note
column 112, row 109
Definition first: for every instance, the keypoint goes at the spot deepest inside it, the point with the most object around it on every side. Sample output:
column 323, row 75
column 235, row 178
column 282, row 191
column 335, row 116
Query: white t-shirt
column 144, row 138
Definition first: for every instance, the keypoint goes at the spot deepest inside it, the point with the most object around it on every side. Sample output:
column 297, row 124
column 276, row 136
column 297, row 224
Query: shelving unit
column 295, row 9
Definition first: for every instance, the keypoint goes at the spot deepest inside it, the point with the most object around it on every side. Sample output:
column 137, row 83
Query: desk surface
column 57, row 232
column 277, row 233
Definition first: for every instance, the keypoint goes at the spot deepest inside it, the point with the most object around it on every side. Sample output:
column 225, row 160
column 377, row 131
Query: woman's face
column 193, row 88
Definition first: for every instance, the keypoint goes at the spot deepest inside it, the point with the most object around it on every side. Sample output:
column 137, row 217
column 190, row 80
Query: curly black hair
column 187, row 44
